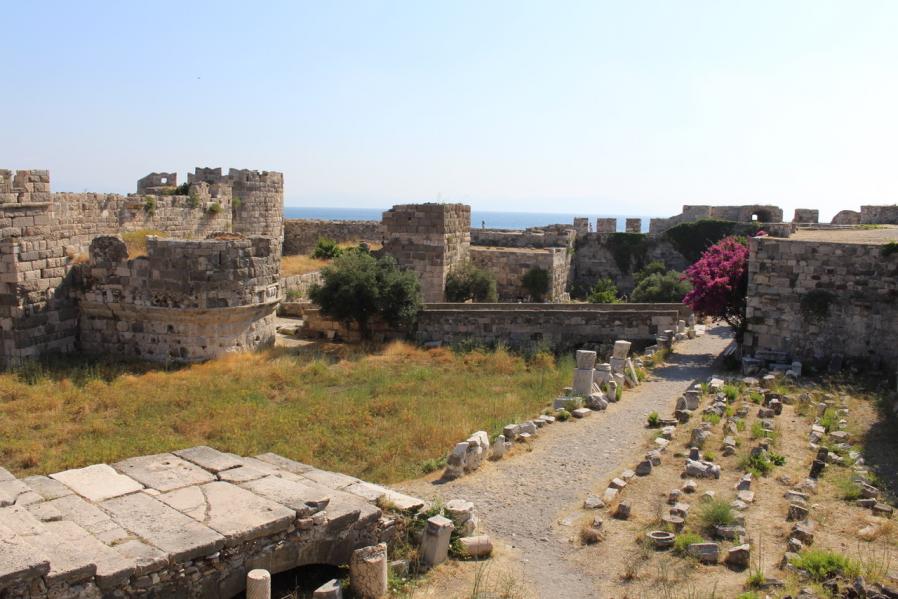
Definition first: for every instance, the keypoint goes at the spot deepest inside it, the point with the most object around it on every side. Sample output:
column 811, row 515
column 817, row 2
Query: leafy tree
column 536, row 282
column 357, row 287
column 326, row 249
column 720, row 283
column 469, row 282
column 604, row 292
column 653, row 267
column 663, row 287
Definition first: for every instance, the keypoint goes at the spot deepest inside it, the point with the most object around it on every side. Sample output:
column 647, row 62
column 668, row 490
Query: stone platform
column 190, row 523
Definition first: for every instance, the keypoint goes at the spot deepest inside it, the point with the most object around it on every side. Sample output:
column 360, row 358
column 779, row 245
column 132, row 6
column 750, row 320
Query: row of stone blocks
column 189, row 524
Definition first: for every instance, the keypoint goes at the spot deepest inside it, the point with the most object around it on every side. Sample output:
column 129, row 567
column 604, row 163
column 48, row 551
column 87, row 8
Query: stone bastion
column 185, row 300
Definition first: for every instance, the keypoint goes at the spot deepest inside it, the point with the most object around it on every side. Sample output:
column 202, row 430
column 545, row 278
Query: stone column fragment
column 368, row 571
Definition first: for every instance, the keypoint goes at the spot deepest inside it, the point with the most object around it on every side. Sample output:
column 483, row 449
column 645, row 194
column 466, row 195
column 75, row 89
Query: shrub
column 716, row 512
column 236, row 203
column 849, row 490
column 710, row 455
column 712, row 418
column 652, row 268
column 604, row 292
column 669, row 287
column 755, row 397
column 757, row 430
column 468, row 282
column 358, row 287
column 149, row 205
column 326, row 249
column 731, row 392
column 758, row 465
column 182, row 190
column 683, row 540
column 720, row 284
column 193, row 199
column 628, row 249
column 215, row 208
column 654, row 420
column 830, row 419
column 562, row 415
column 822, row 565
column 536, row 282
column 776, row 459
column 889, row 249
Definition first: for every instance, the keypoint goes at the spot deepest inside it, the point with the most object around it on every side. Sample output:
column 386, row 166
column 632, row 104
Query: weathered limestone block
column 583, row 381
column 476, row 547
column 586, row 360
column 258, row 584
column 97, row 482
column 329, row 590
column 163, row 472
column 368, row 571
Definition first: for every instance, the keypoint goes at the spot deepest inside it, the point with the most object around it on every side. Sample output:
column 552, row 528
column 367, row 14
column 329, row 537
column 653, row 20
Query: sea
column 479, row 218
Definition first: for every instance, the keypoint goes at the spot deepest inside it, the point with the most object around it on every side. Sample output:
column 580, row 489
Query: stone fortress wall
column 430, row 239
column 509, row 265
column 301, row 235
column 186, row 300
column 815, row 300
column 43, row 235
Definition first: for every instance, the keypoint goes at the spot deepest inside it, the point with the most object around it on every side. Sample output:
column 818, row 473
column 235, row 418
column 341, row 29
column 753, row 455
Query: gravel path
column 523, row 499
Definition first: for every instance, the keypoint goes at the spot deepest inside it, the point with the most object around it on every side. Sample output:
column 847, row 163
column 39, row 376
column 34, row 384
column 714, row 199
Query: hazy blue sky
column 623, row 107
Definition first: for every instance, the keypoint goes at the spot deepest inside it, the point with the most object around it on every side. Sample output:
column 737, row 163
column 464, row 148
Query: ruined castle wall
column 597, row 255
column 183, row 301
column 763, row 213
column 260, row 208
column 429, row 239
column 301, row 235
column 879, row 215
column 816, row 299
column 509, row 265
column 537, row 237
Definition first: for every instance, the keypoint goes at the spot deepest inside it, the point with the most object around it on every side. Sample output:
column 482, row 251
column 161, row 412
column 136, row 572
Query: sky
column 632, row 107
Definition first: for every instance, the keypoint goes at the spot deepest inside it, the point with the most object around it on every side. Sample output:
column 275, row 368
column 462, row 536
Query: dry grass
column 300, row 265
column 379, row 417
column 136, row 241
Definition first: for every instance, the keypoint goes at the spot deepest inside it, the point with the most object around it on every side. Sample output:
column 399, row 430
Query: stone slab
column 19, row 561
column 373, row 493
column 5, row 475
column 98, row 482
column 284, row 463
column 331, row 480
column 89, row 517
column 68, row 564
column 236, row 513
column 242, row 474
column 163, row 472
column 46, row 487
column 303, row 498
column 145, row 558
column 208, row 458
column 165, row 528
column 12, row 491
column 112, row 569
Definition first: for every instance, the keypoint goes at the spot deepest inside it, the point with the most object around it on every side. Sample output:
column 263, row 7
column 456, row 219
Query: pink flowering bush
column 720, row 283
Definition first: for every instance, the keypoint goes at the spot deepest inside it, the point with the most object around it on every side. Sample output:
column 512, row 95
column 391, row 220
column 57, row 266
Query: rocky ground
column 782, row 533
column 531, row 501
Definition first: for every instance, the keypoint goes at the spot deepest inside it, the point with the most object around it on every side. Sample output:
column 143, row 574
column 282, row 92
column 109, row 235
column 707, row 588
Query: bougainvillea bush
column 720, row 283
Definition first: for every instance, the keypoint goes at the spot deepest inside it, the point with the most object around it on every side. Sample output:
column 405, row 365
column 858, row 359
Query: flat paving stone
column 208, row 458
column 284, row 463
column 331, row 480
column 89, row 517
column 46, row 487
column 98, row 482
column 7, row 475
column 164, row 527
column 242, row 474
column 68, row 564
column 236, row 513
column 303, row 498
column 372, row 492
column 19, row 561
column 112, row 569
column 146, row 559
column 163, row 472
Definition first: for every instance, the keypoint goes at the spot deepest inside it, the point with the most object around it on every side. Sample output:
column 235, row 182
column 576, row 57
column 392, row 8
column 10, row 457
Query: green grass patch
column 683, row 540
column 712, row 418
column 716, row 512
column 822, row 564
column 731, row 392
column 381, row 416
column 830, row 420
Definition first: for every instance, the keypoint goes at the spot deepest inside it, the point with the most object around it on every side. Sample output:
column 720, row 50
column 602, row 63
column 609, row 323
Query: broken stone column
column 455, row 463
column 602, row 374
column 258, row 584
column 585, row 373
column 621, row 348
column 368, row 571
column 435, row 545
column 329, row 590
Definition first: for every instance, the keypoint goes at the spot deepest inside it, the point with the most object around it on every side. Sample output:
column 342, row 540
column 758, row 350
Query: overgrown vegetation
column 299, row 265
column 136, row 241
column 815, row 304
column 326, row 249
column 691, row 239
column 149, row 206
column 382, row 417
column 716, row 512
column 604, row 292
column 629, row 250
column 822, row 564
column 359, row 287
column 889, row 248
column 660, row 287
column 683, row 540
column 468, row 282
column 536, row 282
column 214, row 208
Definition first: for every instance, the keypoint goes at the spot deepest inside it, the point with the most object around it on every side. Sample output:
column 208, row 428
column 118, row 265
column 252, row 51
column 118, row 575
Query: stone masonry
column 816, row 299
column 430, row 239
column 185, row 300
column 44, row 235
column 509, row 265
column 186, row 524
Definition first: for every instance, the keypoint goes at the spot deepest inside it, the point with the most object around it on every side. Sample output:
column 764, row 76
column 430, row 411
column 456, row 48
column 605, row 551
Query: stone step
column 19, row 561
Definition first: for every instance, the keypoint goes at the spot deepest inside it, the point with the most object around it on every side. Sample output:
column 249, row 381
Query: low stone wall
column 509, row 265
column 186, row 524
column 183, row 301
column 297, row 287
column 557, row 329
column 536, row 237
column 816, row 299
column 301, row 235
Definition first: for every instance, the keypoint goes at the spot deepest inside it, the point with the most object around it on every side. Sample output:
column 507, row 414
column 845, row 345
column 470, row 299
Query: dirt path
column 525, row 499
